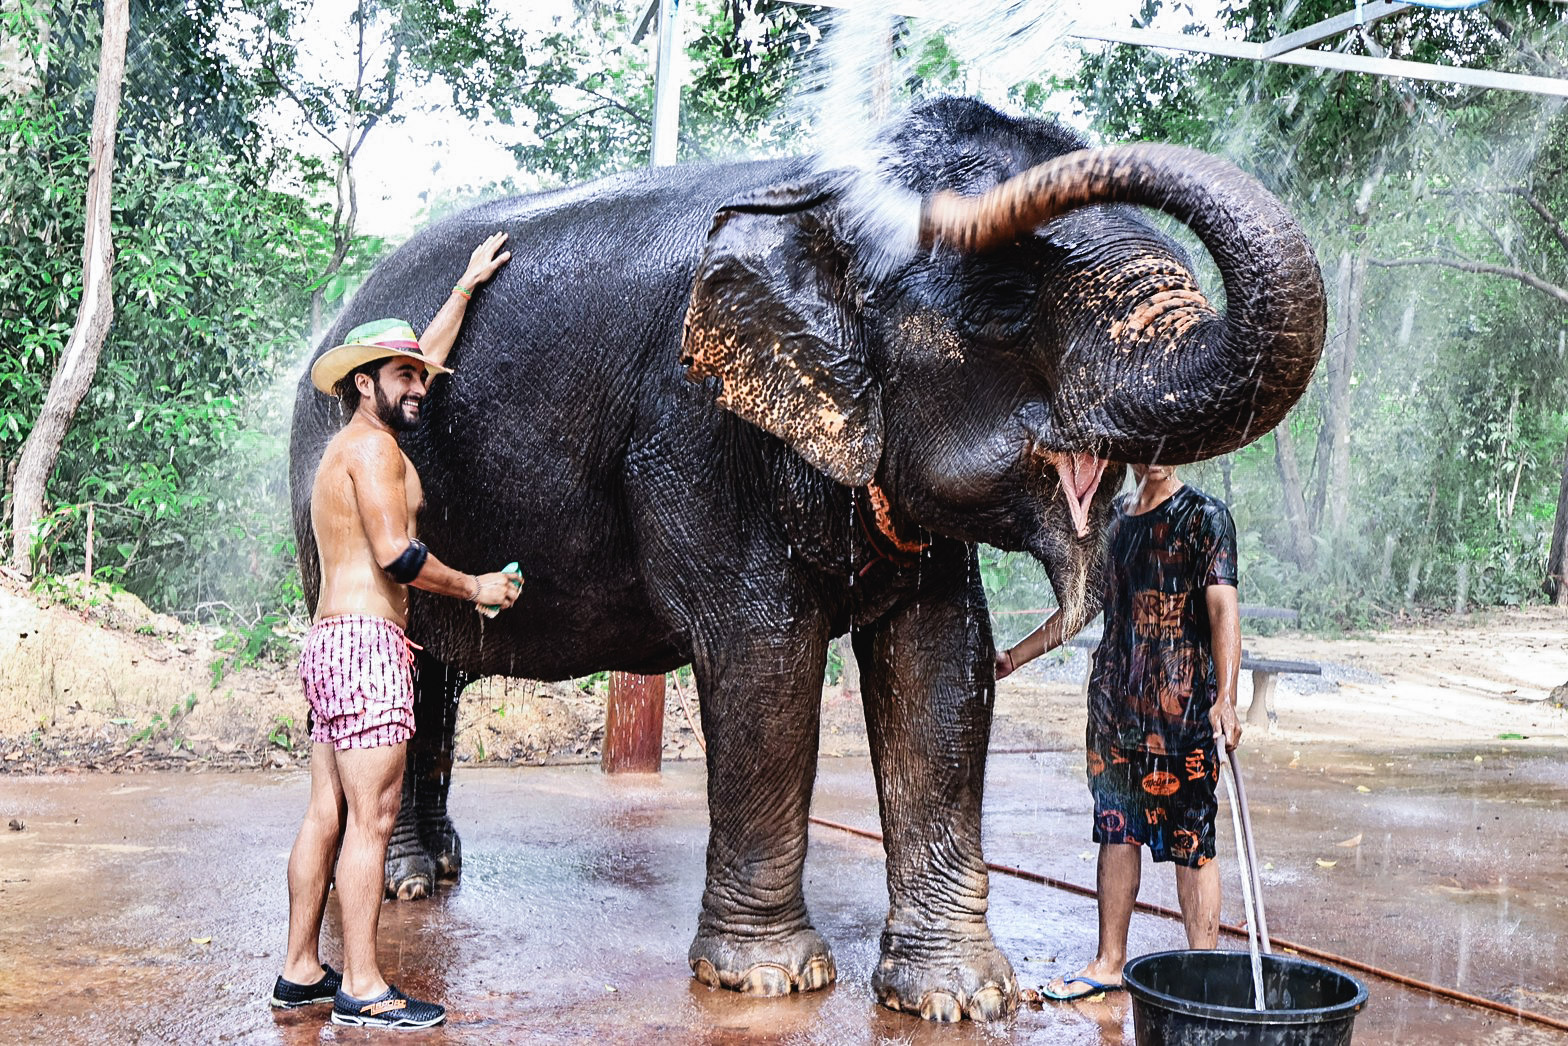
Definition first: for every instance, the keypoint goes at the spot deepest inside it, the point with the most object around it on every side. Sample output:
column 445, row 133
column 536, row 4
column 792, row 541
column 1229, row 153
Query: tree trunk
column 1556, row 584
column 79, row 361
column 1301, row 547
column 1332, row 497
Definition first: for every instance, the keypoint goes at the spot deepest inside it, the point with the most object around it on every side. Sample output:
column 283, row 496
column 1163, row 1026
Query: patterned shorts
column 357, row 676
column 1164, row 802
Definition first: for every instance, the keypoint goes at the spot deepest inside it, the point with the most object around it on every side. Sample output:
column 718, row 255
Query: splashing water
column 1010, row 41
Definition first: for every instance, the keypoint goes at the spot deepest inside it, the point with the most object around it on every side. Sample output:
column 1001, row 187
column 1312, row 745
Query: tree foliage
column 1451, row 201
column 1449, row 195
column 591, row 96
column 226, row 228
column 212, row 266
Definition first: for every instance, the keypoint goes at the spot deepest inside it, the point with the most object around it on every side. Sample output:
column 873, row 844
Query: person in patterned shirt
column 1162, row 698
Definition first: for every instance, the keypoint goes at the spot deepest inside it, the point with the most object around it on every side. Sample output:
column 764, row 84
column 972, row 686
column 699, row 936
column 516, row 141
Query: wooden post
column 633, row 725
column 1261, row 711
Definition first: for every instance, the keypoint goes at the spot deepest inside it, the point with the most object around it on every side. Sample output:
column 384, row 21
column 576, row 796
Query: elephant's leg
column 761, row 698
column 927, row 682
column 425, row 846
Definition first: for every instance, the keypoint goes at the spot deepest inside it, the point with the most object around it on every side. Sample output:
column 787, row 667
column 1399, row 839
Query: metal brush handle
column 1245, row 867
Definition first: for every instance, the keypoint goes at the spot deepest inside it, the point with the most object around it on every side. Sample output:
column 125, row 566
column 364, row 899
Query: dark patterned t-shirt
column 1153, row 681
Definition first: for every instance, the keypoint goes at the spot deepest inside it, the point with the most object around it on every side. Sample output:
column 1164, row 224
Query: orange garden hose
column 1299, row 949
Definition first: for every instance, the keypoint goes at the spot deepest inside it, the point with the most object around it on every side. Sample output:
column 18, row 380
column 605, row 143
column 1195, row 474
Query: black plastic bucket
column 1202, row 998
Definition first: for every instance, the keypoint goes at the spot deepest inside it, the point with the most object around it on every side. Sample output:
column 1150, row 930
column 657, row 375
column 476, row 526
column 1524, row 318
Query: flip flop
column 1093, row 987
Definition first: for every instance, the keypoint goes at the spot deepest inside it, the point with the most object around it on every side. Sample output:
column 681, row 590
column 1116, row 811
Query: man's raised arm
column 439, row 337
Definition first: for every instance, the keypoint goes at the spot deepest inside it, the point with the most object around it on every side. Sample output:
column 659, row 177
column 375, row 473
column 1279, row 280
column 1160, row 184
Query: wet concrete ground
column 149, row 908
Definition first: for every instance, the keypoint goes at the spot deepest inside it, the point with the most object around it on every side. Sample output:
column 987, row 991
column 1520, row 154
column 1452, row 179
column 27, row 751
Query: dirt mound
column 90, row 678
column 93, row 679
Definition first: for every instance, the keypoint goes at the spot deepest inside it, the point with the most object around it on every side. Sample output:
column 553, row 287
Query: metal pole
column 1244, row 865
column 667, row 86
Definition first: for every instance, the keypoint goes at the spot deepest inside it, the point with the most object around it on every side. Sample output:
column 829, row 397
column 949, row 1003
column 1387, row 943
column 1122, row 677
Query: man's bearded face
column 401, row 414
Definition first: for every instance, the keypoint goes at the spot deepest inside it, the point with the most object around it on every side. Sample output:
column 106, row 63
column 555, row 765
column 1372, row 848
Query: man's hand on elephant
column 483, row 263
column 1227, row 727
column 499, row 590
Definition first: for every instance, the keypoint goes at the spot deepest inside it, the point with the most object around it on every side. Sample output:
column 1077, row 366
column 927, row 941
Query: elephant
column 723, row 414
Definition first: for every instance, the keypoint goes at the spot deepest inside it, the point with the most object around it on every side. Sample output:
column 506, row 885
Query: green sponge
column 492, row 610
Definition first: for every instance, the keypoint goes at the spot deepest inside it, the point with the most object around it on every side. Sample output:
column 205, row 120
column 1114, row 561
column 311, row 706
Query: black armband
column 407, row 566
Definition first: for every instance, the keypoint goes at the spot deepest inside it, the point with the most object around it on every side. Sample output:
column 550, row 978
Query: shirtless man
column 355, row 662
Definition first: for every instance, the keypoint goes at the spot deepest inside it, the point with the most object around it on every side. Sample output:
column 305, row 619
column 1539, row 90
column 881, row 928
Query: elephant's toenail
column 988, row 1004
column 818, row 974
column 703, row 970
column 940, row 1006
column 414, row 888
column 767, row 980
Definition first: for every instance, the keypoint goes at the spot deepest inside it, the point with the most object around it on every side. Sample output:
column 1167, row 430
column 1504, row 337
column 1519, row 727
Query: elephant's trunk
column 1229, row 380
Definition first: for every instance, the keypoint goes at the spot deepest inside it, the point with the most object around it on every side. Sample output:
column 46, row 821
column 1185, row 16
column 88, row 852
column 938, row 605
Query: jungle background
column 1426, row 471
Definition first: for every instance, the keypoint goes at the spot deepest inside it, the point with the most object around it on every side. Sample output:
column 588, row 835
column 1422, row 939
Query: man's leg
column 372, row 781
column 1117, row 878
column 310, row 867
column 1198, row 893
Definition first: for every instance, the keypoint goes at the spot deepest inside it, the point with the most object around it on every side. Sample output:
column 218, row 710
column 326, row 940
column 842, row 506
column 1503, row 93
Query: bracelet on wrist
column 475, row 579
column 457, row 288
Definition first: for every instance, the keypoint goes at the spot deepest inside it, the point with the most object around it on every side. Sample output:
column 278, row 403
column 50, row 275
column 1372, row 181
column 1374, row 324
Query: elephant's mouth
column 1078, row 474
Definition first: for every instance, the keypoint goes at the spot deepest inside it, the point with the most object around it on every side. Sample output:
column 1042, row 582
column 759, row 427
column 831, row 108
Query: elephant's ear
column 772, row 316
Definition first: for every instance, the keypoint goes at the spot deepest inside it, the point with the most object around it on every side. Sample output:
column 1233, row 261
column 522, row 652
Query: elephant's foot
column 444, row 848
column 798, row 962
column 410, row 874
column 969, row 978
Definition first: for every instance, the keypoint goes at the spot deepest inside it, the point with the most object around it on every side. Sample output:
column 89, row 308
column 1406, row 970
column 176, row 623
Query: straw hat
column 378, row 339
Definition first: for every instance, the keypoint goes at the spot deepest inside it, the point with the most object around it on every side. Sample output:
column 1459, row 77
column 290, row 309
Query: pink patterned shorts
column 356, row 671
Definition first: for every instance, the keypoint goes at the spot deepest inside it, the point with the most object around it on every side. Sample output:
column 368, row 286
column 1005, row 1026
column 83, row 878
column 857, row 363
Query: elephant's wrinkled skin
column 716, row 423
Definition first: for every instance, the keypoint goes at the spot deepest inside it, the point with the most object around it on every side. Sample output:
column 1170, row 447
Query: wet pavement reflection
column 150, row 907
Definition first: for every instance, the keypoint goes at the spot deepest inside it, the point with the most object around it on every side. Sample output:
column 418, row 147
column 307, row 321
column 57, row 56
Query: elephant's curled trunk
column 1231, row 379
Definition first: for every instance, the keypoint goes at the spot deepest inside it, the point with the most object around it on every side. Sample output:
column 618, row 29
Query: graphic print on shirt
column 1153, row 680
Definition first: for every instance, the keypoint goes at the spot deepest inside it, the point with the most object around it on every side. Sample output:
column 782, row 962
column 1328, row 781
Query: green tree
column 469, row 48
column 591, row 93
column 1422, row 464
column 211, row 274
column 79, row 357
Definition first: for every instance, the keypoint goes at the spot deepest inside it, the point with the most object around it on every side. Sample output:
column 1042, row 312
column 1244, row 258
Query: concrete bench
column 1265, row 671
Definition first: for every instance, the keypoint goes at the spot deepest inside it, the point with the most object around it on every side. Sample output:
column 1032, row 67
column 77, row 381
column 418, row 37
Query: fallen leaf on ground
column 1326, row 864
column 201, row 940
column 1354, row 840
column 1362, row 788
